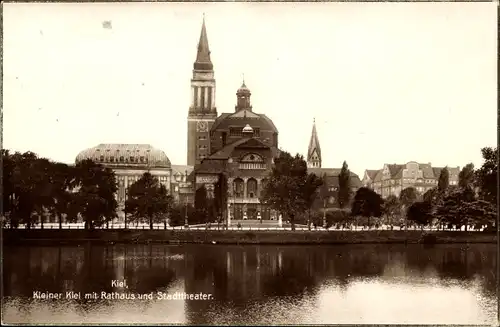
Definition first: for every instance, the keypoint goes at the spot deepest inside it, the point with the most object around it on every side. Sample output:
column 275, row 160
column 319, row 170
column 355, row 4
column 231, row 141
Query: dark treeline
column 35, row 189
column 302, row 198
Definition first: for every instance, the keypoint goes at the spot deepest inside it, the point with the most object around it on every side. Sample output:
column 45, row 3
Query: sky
column 386, row 82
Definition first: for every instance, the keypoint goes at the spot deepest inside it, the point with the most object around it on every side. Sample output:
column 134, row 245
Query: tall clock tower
column 202, row 111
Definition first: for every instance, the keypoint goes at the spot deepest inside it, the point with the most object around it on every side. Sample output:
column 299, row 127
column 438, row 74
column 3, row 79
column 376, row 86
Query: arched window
column 252, row 161
column 252, row 188
column 238, row 187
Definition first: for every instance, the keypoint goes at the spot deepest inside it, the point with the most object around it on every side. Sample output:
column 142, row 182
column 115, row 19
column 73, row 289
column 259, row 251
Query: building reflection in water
column 238, row 277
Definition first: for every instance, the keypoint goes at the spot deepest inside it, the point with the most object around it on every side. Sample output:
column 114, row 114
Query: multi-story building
column 240, row 145
column 181, row 188
column 392, row 179
column 130, row 162
column 314, row 164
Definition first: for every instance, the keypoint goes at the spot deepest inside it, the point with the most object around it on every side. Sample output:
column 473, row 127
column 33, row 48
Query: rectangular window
column 142, row 159
column 102, row 158
column 196, row 90
column 224, row 136
column 233, row 131
column 202, row 90
column 209, row 100
column 131, row 159
column 122, row 159
column 256, row 132
column 112, row 159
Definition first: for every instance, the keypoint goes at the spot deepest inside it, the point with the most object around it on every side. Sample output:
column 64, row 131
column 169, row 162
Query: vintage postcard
column 249, row 163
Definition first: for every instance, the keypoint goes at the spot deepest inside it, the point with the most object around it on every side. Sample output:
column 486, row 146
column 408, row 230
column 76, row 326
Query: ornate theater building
column 240, row 145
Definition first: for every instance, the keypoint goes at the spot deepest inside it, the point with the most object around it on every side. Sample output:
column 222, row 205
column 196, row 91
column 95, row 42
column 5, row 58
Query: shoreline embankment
column 65, row 236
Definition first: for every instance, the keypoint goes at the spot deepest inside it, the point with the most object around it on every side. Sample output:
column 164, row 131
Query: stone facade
column 130, row 162
column 239, row 145
column 392, row 179
column 181, row 188
column 202, row 111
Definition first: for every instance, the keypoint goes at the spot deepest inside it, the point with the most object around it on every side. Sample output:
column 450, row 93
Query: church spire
column 203, row 61
column 314, row 150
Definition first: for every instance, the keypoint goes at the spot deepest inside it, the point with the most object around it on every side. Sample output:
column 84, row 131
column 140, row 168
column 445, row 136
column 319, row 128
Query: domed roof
column 247, row 129
column 126, row 155
column 243, row 89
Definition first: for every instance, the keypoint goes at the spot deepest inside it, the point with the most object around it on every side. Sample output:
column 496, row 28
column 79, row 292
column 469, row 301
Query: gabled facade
column 392, row 179
column 239, row 146
column 246, row 163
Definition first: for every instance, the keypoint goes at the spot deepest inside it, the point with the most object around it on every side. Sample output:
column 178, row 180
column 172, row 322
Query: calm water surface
column 444, row 284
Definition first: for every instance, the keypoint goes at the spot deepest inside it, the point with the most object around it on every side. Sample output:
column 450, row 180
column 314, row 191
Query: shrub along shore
column 54, row 237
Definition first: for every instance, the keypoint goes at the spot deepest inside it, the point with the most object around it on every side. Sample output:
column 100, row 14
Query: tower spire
column 203, row 61
column 314, row 150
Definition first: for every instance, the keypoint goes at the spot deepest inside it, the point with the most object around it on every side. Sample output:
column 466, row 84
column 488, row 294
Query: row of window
column 251, row 165
column 109, row 150
column 252, row 188
column 130, row 159
column 238, row 131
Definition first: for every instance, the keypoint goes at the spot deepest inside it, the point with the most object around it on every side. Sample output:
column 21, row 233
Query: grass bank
column 49, row 237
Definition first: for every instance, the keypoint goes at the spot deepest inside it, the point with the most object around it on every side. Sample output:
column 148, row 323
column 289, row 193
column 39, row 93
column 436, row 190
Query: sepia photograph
column 249, row 163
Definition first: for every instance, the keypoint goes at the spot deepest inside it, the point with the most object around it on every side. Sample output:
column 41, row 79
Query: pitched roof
column 243, row 117
column 211, row 166
column 203, row 61
column 427, row 170
column 332, row 175
column 378, row 176
column 182, row 169
column 314, row 144
column 396, row 171
column 247, row 143
column 372, row 173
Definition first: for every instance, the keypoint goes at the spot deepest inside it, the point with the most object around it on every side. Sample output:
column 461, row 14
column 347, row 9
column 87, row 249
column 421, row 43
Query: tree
column 392, row 208
column 95, row 197
column 311, row 191
column 453, row 208
column 466, row 176
column 287, row 190
column 420, row 213
column 486, row 176
column 177, row 214
column 408, row 196
column 444, row 179
column 201, row 204
column 220, row 198
column 367, row 203
column 149, row 199
column 430, row 195
column 27, row 181
column 344, row 186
